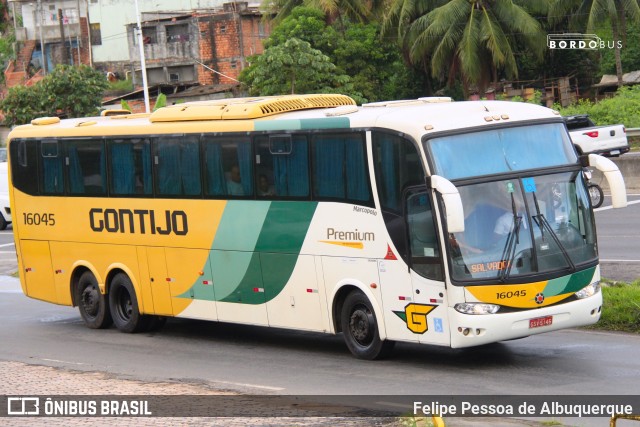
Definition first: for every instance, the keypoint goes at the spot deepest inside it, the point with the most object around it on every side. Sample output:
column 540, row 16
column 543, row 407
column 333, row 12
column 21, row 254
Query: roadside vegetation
column 621, row 308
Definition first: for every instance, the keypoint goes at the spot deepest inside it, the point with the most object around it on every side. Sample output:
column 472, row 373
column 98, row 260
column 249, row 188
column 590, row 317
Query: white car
column 610, row 141
column 5, row 207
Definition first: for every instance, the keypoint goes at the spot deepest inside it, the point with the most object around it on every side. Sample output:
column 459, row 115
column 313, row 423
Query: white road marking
column 250, row 385
column 606, row 208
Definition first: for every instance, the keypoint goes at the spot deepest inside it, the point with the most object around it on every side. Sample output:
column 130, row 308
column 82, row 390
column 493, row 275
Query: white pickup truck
column 610, row 141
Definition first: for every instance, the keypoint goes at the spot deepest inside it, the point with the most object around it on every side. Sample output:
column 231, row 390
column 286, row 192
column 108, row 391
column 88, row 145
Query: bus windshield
column 523, row 226
column 501, row 150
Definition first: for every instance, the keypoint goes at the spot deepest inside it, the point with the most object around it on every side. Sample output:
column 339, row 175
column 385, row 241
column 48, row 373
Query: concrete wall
column 629, row 165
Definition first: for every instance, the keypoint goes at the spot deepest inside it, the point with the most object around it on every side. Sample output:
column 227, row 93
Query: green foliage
column 121, row 85
column 67, row 91
column 623, row 108
column 475, row 39
column 366, row 69
column 161, row 101
column 621, row 308
column 292, row 67
column 6, row 52
column 22, row 104
column 629, row 54
column 125, row 105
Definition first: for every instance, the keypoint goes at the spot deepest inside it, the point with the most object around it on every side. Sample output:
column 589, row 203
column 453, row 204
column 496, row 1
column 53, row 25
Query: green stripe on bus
column 252, row 265
column 571, row 283
column 298, row 124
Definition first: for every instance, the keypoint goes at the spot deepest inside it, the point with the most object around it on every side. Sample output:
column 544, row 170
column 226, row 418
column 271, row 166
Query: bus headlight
column 589, row 290
column 476, row 308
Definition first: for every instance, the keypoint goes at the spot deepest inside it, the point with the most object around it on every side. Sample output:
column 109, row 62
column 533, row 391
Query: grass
column 120, row 86
column 634, row 143
column 621, row 308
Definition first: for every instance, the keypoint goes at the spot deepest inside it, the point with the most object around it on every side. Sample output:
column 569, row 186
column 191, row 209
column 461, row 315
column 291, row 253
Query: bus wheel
column 93, row 305
column 3, row 223
column 360, row 328
column 124, row 305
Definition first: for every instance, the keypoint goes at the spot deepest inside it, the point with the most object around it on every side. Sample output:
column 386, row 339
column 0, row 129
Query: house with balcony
column 182, row 44
column 206, row 47
column 52, row 32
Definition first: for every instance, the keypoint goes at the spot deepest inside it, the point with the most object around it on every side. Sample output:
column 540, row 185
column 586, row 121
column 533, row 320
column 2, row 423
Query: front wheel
column 596, row 195
column 360, row 328
column 93, row 306
column 124, row 305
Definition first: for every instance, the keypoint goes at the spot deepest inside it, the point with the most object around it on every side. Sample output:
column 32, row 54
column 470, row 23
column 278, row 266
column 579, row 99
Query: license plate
column 540, row 321
column 615, row 152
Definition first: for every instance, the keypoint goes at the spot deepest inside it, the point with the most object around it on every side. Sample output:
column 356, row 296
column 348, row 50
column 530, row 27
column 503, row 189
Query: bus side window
column 282, row 166
column 52, row 181
column 130, row 167
column 340, row 168
column 228, row 167
column 177, row 165
column 423, row 237
column 86, row 167
column 24, row 160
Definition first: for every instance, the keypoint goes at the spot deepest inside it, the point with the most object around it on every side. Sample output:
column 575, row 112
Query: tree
column 67, row 92
column 587, row 15
column 291, row 67
column 475, row 39
column 355, row 10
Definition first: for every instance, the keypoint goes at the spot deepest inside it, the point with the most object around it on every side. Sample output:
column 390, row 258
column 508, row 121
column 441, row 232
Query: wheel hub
column 90, row 300
column 360, row 326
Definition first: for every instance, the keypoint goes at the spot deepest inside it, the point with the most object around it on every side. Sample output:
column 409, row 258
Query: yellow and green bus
column 425, row 221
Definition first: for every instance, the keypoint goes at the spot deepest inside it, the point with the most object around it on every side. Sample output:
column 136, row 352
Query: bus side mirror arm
column 614, row 178
column 452, row 202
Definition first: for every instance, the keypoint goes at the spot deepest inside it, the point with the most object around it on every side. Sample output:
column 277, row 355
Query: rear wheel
column 93, row 306
column 360, row 328
column 124, row 305
column 596, row 195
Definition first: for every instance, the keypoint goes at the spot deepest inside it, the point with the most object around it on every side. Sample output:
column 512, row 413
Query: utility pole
column 65, row 57
column 39, row 14
column 143, row 64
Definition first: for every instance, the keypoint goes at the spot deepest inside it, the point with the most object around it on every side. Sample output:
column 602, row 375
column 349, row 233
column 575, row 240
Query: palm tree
column 586, row 15
column 473, row 38
column 356, row 10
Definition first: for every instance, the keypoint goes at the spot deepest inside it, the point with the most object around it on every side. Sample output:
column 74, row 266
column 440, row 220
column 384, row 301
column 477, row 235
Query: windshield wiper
column 513, row 239
column 544, row 224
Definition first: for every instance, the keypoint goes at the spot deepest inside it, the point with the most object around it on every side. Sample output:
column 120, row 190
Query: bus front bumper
column 471, row 330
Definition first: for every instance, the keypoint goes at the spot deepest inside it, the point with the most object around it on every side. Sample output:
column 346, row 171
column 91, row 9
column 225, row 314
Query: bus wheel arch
column 354, row 314
column 92, row 304
column 123, row 303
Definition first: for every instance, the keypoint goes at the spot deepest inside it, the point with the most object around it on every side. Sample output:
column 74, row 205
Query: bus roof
column 293, row 112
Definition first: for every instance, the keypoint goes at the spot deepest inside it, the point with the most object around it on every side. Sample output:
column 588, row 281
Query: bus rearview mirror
column 452, row 203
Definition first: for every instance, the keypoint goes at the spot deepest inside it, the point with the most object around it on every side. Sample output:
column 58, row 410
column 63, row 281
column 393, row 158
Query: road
column 271, row 361
column 619, row 239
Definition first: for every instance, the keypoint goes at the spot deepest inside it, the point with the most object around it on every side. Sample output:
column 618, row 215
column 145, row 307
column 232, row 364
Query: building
column 182, row 44
column 202, row 47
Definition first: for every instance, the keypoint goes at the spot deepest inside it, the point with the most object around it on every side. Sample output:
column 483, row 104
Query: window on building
column 149, row 35
column 177, row 33
column 96, row 34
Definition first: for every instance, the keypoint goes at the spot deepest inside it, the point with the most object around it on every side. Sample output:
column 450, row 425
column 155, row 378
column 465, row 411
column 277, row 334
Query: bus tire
column 3, row 222
column 360, row 328
column 93, row 305
column 124, row 305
